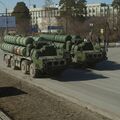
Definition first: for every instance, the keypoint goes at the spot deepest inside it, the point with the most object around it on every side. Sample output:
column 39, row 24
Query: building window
column 33, row 13
column 93, row 10
column 44, row 13
column 36, row 13
column 39, row 13
column 53, row 13
column 101, row 10
column 89, row 10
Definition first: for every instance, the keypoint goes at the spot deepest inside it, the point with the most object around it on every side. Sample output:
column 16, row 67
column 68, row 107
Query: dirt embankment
column 26, row 102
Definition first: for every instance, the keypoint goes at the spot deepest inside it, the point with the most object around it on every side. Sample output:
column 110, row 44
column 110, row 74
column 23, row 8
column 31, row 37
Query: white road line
column 3, row 116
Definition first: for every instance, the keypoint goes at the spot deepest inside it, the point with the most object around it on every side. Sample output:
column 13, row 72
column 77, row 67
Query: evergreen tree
column 73, row 8
column 22, row 14
column 116, row 4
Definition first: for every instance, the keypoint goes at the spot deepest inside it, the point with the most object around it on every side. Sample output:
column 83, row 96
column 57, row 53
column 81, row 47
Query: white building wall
column 97, row 9
column 43, row 13
column 44, row 23
column 43, row 18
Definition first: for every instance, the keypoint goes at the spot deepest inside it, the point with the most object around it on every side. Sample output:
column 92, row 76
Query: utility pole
column 91, row 31
column 6, row 22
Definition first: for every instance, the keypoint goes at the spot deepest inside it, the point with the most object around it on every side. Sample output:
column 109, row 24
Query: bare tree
column 48, row 3
column 2, row 31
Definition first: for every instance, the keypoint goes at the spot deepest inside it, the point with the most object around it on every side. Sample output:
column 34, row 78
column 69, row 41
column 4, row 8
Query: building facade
column 103, row 10
column 99, row 9
column 44, row 17
column 37, row 13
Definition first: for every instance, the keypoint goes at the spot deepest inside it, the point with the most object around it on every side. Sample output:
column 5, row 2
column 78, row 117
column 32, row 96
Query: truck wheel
column 92, row 65
column 7, row 61
column 12, row 64
column 33, row 71
column 24, row 66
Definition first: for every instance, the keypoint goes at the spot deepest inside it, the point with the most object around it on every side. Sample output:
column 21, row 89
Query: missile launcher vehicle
column 32, row 56
column 82, row 53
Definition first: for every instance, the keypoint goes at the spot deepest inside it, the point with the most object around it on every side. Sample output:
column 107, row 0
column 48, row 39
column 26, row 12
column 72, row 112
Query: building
column 47, row 12
column 44, row 17
column 103, row 10
column 100, row 9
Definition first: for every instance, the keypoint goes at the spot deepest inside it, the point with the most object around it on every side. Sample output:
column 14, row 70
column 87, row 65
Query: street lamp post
column 49, row 17
column 6, row 22
column 91, row 30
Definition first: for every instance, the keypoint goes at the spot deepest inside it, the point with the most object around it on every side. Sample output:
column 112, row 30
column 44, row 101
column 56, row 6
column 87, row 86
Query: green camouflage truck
column 34, row 57
column 60, row 42
column 81, row 53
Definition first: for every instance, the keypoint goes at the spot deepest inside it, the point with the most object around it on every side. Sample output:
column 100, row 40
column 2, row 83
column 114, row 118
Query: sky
column 11, row 3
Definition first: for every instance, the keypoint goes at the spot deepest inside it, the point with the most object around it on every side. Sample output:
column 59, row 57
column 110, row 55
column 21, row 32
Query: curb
column 3, row 116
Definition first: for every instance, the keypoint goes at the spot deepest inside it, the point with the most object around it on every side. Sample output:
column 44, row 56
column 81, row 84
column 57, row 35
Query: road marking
column 3, row 116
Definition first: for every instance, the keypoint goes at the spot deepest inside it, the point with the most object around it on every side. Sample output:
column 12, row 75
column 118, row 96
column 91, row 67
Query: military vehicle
column 62, row 43
column 82, row 53
column 36, row 57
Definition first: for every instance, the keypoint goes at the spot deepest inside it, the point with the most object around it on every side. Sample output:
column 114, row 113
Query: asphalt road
column 98, row 89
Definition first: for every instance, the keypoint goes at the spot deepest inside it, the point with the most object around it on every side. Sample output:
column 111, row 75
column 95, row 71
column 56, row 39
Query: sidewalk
column 3, row 116
column 112, row 44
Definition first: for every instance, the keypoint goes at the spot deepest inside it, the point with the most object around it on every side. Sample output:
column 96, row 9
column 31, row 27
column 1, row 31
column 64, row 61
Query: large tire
column 24, row 65
column 12, row 64
column 91, row 65
column 33, row 71
column 7, row 61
